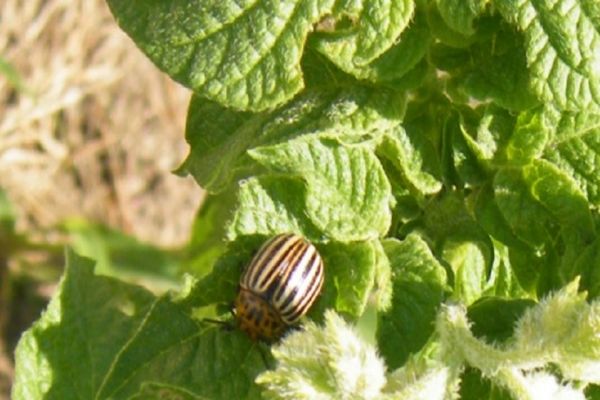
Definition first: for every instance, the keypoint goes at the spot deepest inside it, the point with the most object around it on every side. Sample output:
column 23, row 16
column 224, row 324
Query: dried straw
column 95, row 130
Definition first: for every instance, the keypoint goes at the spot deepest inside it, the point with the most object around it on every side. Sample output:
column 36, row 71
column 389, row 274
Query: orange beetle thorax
column 256, row 317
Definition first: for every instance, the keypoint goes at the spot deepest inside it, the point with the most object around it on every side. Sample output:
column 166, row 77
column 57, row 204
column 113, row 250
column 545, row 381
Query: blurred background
column 90, row 131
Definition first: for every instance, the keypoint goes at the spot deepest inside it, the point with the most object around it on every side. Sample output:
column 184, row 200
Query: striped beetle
column 278, row 286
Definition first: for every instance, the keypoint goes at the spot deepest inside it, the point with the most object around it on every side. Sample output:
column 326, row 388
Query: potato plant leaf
column 244, row 55
column 419, row 285
column 442, row 155
column 574, row 147
column 459, row 15
column 374, row 27
column 348, row 196
column 562, row 47
column 123, row 339
column 220, row 137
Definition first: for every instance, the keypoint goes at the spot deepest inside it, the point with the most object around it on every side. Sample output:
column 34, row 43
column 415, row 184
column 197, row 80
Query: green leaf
column 560, row 196
column 529, row 138
column 207, row 240
column 491, row 219
column 563, row 49
column 447, row 218
column 474, row 386
column 324, row 363
column 478, row 139
column 534, row 270
column 460, row 14
column 561, row 331
column 158, row 391
column 568, row 248
column 460, row 242
column 396, row 62
column 510, row 369
column 468, row 129
column 468, row 160
column 574, row 147
column 564, row 329
column 498, row 69
column 122, row 338
column 423, row 378
column 536, row 198
column 415, row 157
column 220, row 286
column 382, row 290
column 470, row 261
column 123, row 256
column 444, row 33
column 592, row 392
column 588, row 266
column 350, row 271
column 503, row 280
column 494, row 318
column 407, row 208
column 270, row 205
column 219, row 137
column 488, row 66
column 201, row 361
column 404, row 56
column 89, row 320
column 419, row 288
column 412, row 79
column 348, row 196
column 244, row 55
column 490, row 134
column 375, row 25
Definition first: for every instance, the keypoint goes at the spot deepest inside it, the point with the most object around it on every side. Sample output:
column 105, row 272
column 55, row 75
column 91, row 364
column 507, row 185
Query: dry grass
column 94, row 130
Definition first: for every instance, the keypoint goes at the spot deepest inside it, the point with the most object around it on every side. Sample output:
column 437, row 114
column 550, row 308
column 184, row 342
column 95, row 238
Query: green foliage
column 123, row 256
column 562, row 42
column 244, row 55
column 419, row 283
column 442, row 155
column 332, row 362
column 348, row 196
column 460, row 15
column 101, row 338
column 562, row 330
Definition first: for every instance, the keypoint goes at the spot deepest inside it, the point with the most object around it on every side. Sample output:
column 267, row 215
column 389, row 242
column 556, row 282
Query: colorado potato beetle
column 278, row 286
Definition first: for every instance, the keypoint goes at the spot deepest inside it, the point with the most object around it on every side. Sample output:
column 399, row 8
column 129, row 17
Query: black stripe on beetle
column 279, row 286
